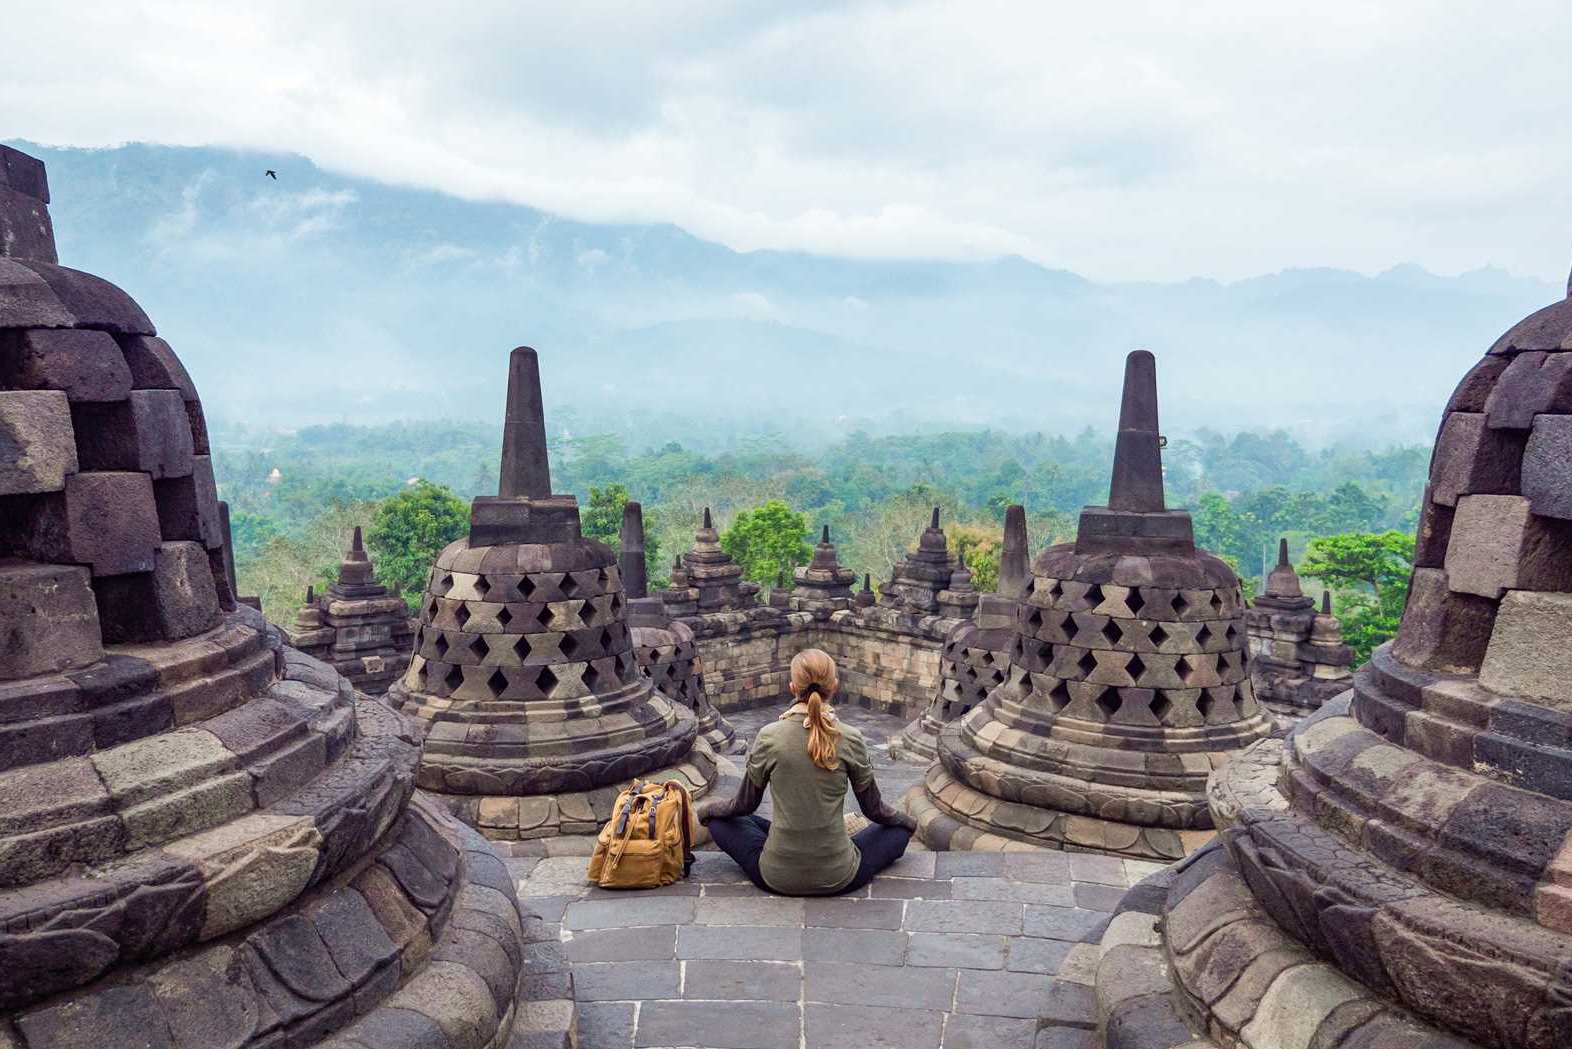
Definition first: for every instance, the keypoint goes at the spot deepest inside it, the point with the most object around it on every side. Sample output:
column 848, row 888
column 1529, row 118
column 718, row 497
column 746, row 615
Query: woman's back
column 808, row 851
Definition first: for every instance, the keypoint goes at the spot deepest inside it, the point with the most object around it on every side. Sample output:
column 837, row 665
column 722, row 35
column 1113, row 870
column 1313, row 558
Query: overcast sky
column 1120, row 140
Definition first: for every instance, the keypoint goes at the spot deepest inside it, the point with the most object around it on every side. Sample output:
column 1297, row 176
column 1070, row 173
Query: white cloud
column 1132, row 139
column 755, row 304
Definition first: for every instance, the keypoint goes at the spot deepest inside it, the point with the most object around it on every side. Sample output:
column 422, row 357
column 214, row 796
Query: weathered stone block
column 1470, row 458
column 92, row 301
column 1475, row 387
column 26, row 301
column 1530, row 652
column 1435, row 530
column 163, row 432
column 1443, row 630
column 86, row 365
column 1533, row 383
column 148, row 431
column 1498, row 544
column 26, row 231
column 178, row 599
column 188, row 506
column 24, row 173
column 48, row 619
column 106, row 520
column 1547, row 466
column 154, row 365
column 37, row 445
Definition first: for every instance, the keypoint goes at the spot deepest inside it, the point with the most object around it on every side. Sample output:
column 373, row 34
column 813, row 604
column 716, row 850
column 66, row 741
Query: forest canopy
column 294, row 499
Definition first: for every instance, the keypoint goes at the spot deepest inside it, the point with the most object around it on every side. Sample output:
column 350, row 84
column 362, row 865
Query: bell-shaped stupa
column 1400, row 867
column 1129, row 682
column 975, row 658
column 664, row 646
column 207, row 838
column 524, row 675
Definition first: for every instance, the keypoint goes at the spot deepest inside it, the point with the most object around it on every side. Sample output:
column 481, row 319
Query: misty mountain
column 320, row 297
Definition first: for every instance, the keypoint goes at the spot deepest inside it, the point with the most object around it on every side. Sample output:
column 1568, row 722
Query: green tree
column 767, row 540
column 603, row 515
column 1370, row 573
column 408, row 532
column 603, row 521
column 979, row 546
column 1246, row 582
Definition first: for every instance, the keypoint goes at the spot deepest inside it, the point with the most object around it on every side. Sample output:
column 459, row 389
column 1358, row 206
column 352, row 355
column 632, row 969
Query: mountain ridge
column 324, row 297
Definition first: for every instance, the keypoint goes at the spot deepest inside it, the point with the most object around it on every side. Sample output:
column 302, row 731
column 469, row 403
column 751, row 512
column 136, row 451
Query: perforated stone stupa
column 665, row 647
column 1297, row 657
column 358, row 626
column 1398, row 871
column 976, row 654
column 206, row 838
column 1129, row 682
column 524, row 675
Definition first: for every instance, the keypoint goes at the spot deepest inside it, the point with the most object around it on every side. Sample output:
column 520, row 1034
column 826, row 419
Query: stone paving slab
column 943, row 951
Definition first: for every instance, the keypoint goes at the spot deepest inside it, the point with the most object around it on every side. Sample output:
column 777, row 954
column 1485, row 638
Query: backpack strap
column 687, row 824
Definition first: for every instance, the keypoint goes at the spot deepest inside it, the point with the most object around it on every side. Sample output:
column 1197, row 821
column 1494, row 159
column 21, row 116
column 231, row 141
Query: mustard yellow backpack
column 648, row 842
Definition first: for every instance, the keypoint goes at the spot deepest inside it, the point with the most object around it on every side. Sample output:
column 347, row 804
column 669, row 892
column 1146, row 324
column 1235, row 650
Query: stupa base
column 421, row 946
column 955, row 816
column 718, row 733
column 918, row 743
column 1191, row 960
column 515, row 818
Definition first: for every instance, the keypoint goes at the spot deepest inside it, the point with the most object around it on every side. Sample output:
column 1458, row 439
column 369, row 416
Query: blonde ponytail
column 814, row 681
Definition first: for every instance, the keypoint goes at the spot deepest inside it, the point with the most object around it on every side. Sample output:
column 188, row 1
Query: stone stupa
column 1129, row 682
column 975, row 659
column 524, row 677
column 1297, row 657
column 664, row 646
column 1398, row 871
column 358, row 626
column 917, row 579
column 822, row 586
column 206, row 837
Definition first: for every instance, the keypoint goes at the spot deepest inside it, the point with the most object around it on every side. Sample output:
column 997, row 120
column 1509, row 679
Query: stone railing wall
column 889, row 661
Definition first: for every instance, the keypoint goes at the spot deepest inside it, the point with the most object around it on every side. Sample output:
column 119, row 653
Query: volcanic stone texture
column 975, row 661
column 1398, row 870
column 918, row 578
column 1297, row 657
column 360, row 628
column 1129, row 686
column 206, row 838
column 532, row 698
column 666, row 651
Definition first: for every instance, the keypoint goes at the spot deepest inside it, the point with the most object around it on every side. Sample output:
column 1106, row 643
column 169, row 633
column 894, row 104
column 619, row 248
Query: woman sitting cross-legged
column 808, row 759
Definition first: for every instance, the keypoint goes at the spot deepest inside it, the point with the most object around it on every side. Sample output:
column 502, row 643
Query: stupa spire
column 1015, row 569
column 630, row 556
column 935, row 522
column 526, row 473
column 1282, row 553
column 1138, row 465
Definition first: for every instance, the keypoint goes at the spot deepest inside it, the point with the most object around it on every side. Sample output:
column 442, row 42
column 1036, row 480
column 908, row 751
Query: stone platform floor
column 943, row 951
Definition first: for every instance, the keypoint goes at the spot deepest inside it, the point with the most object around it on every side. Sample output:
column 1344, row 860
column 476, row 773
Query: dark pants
column 743, row 840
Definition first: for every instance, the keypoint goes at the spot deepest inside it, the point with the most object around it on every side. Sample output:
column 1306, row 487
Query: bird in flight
column 270, row 173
